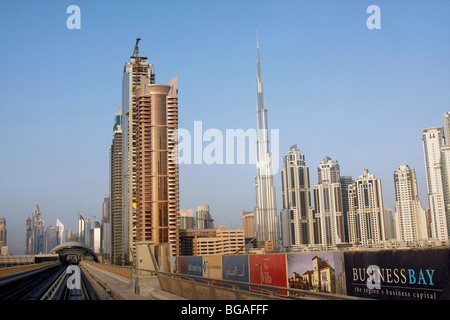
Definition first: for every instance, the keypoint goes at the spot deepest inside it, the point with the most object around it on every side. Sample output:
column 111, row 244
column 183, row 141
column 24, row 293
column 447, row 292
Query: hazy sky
column 332, row 86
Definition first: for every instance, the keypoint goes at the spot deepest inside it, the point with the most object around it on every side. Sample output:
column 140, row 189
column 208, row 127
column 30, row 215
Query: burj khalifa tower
column 267, row 225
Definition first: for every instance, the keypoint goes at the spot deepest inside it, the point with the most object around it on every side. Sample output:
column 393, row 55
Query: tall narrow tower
column 410, row 218
column 136, row 67
column 328, row 204
column 116, row 183
column 266, row 207
column 433, row 141
column 366, row 211
column 297, row 215
column 157, row 187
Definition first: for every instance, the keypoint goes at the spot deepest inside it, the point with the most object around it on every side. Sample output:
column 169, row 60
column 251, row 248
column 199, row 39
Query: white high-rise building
column 297, row 216
column 410, row 218
column 328, row 204
column 365, row 211
column 84, row 231
column 266, row 218
column 436, row 165
column 60, row 231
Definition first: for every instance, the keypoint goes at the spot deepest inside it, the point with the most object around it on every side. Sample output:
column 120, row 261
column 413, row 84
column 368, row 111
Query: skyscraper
column 186, row 219
column 445, row 151
column 297, row 215
column 437, row 180
column 135, row 68
column 51, row 238
column 2, row 232
column 389, row 223
column 97, row 237
column 28, row 237
column 366, row 215
column 346, row 181
column 248, row 223
column 106, row 229
column 157, row 206
column 35, row 242
column 203, row 217
column 84, row 231
column 60, row 231
column 118, row 218
column 410, row 219
column 267, row 224
column 328, row 204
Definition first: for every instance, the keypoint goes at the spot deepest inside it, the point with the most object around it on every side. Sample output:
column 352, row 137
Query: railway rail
column 58, row 281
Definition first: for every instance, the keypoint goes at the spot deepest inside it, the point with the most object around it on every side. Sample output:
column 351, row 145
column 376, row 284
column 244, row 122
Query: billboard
column 317, row 271
column 235, row 268
column 212, row 266
column 195, row 266
column 401, row 274
column 269, row 269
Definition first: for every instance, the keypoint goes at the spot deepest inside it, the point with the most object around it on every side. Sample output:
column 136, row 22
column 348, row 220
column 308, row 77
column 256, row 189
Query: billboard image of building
column 318, row 271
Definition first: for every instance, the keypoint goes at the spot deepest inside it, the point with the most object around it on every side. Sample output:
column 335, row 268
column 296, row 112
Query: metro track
column 59, row 281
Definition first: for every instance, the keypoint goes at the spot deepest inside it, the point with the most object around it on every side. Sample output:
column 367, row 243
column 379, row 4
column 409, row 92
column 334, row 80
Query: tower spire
column 266, row 208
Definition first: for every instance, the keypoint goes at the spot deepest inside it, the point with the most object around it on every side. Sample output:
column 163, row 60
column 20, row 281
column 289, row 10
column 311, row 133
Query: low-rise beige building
column 223, row 241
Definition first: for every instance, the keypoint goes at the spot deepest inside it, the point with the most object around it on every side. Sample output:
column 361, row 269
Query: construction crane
column 253, row 239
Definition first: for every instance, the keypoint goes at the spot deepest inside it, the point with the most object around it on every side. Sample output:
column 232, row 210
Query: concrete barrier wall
column 194, row 290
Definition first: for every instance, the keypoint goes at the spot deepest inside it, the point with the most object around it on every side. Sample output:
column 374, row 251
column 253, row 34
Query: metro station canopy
column 75, row 248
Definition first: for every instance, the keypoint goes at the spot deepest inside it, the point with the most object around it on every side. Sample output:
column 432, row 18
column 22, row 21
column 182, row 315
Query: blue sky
column 332, row 86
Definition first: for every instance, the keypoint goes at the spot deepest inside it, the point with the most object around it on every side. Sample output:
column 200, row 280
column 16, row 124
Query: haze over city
column 332, row 86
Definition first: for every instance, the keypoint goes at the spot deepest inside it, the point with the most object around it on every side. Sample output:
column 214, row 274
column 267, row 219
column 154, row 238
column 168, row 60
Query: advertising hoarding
column 269, row 269
column 195, row 266
column 401, row 274
column 235, row 268
column 212, row 266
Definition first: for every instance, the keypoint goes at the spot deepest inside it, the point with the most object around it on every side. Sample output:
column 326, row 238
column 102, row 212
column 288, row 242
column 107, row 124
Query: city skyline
column 333, row 87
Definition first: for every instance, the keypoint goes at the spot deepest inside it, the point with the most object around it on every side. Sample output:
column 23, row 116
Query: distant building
column 297, row 218
column 366, row 215
column 437, row 165
column 97, row 238
column 389, row 223
column 267, row 223
column 35, row 233
column 203, row 218
column 187, row 237
column 328, row 204
column 346, row 181
column 410, row 217
column 28, row 237
column 84, row 231
column 60, row 231
column 248, row 223
column 118, row 222
column 106, row 229
column 51, row 238
column 223, row 241
column 186, row 219
column 69, row 235
column 2, row 232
